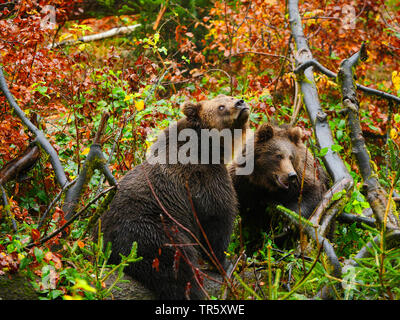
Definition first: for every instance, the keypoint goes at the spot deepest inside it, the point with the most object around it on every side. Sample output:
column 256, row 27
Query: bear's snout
column 239, row 103
column 242, row 110
column 292, row 176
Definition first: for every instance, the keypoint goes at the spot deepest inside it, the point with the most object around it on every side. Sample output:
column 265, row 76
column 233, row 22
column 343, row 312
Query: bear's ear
column 295, row 134
column 264, row 133
column 191, row 111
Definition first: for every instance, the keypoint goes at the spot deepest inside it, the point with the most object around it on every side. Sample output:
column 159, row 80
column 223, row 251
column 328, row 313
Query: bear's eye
column 291, row 158
column 221, row 107
column 279, row 156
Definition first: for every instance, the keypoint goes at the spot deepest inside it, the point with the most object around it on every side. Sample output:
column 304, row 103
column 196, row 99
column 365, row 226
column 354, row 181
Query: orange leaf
column 80, row 244
column 48, row 256
column 156, row 264
column 35, row 234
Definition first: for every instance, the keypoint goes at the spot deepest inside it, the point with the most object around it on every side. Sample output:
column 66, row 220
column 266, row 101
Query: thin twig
column 72, row 219
column 42, row 218
column 318, row 66
column 7, row 209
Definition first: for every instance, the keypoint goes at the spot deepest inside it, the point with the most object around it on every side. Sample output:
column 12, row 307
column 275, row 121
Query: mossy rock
column 133, row 290
column 16, row 287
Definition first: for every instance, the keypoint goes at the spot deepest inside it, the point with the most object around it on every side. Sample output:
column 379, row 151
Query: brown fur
column 170, row 254
column 278, row 154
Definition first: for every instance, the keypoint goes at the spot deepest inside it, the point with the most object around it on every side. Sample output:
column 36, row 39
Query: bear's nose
column 239, row 103
column 292, row 176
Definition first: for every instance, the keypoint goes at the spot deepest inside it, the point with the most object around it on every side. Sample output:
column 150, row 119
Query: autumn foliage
column 242, row 48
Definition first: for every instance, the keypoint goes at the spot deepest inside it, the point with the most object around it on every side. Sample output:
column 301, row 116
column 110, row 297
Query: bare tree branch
column 98, row 36
column 72, row 219
column 20, row 164
column 318, row 117
column 314, row 63
column 94, row 160
column 40, row 137
column 376, row 195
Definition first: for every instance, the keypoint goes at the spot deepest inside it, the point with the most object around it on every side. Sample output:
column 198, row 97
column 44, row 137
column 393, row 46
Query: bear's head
column 222, row 112
column 277, row 158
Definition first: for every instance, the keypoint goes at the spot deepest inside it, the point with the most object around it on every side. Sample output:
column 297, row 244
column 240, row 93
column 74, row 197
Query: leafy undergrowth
column 299, row 274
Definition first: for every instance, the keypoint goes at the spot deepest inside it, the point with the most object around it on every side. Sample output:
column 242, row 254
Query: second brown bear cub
column 157, row 204
column 280, row 159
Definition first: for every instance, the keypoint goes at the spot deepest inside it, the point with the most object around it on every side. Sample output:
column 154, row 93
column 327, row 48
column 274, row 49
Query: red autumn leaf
column 187, row 289
column 156, row 264
column 177, row 257
column 35, row 234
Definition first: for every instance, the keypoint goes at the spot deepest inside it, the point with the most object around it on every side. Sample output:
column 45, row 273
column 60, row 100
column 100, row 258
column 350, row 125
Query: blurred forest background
column 147, row 58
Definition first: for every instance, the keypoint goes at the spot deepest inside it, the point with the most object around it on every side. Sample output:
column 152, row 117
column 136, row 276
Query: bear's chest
column 212, row 192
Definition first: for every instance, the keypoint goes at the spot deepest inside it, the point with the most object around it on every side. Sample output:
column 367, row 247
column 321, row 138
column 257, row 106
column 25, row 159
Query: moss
column 16, row 287
column 104, row 206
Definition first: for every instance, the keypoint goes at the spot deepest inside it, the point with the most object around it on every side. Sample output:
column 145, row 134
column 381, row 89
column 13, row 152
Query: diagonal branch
column 318, row 66
column 20, row 164
column 72, row 219
column 318, row 117
column 40, row 137
column 376, row 195
column 94, row 160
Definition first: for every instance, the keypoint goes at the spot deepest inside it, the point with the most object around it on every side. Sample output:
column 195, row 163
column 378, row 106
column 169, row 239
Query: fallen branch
column 318, row 66
column 54, row 201
column 375, row 194
column 359, row 220
column 98, row 36
column 94, row 160
column 344, row 184
column 72, row 219
column 312, row 231
column 318, row 117
column 326, row 226
column 40, row 137
column 21, row 164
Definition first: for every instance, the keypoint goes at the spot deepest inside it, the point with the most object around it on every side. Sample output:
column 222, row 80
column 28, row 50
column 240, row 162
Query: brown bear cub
column 162, row 206
column 280, row 159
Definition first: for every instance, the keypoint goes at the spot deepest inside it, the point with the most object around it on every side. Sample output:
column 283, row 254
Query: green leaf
column 82, row 284
column 25, row 262
column 336, row 148
column 373, row 127
column 42, row 90
column 338, row 195
column 102, row 104
column 10, row 248
column 323, row 151
column 339, row 134
column 39, row 254
column 164, row 50
column 53, row 294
